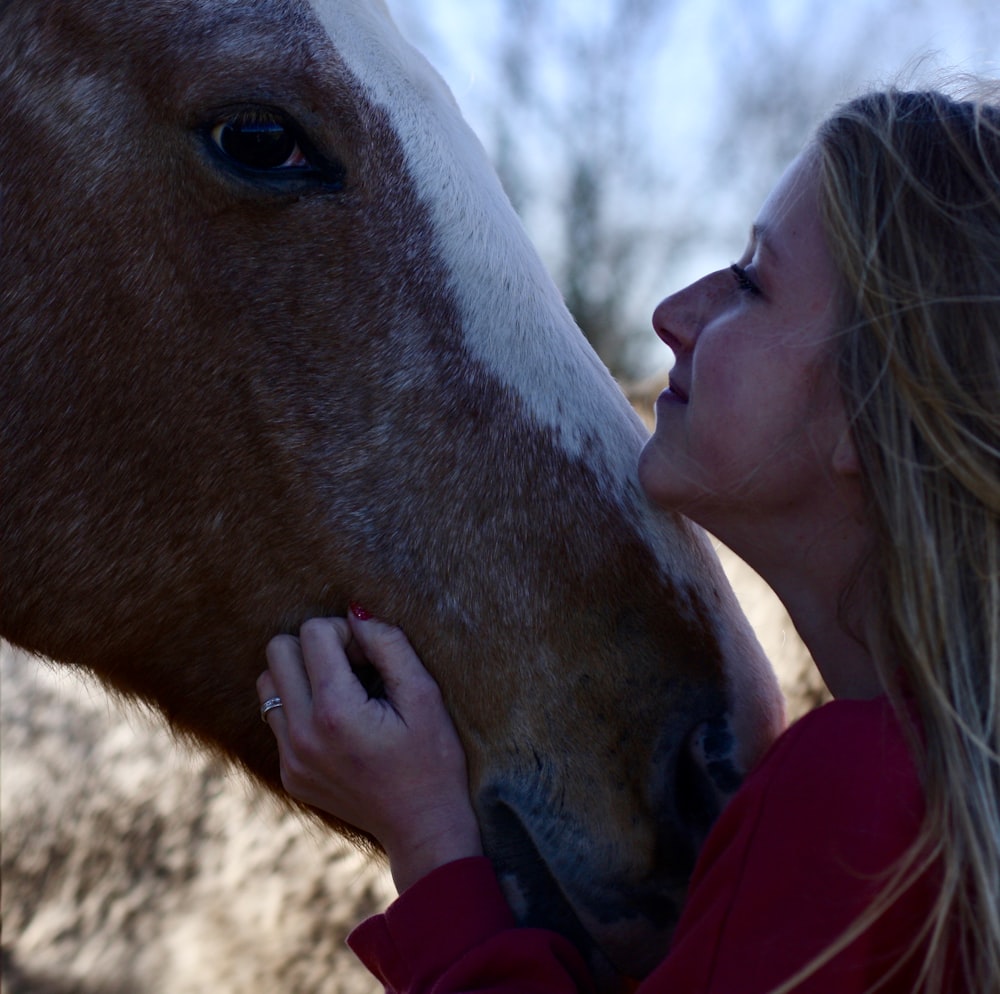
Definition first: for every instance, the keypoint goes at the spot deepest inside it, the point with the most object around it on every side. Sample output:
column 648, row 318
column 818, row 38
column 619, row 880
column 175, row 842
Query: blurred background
column 637, row 138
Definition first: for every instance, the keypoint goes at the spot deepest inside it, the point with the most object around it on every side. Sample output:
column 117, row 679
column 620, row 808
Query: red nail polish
column 359, row 612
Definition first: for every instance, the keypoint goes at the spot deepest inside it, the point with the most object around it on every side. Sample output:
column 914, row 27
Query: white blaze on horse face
column 514, row 321
column 516, row 325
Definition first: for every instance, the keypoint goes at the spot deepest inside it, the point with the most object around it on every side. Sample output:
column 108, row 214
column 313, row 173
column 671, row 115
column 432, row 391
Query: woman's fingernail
column 359, row 612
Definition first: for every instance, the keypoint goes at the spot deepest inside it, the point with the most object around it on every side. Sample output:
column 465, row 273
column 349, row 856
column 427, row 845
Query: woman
column 834, row 417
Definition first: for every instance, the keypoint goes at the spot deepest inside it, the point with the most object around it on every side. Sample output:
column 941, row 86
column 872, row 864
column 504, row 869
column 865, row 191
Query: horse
column 274, row 339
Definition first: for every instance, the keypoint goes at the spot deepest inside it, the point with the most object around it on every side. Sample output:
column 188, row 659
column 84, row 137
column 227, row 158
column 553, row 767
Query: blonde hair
column 910, row 194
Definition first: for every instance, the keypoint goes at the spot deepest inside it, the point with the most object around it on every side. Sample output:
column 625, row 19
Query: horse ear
column 845, row 455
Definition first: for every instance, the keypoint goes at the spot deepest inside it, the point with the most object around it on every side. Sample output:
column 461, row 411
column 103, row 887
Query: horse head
column 273, row 338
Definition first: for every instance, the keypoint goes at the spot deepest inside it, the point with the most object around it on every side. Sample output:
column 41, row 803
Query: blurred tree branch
column 637, row 138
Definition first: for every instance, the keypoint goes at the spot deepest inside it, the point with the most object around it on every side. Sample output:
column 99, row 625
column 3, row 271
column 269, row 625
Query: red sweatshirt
column 791, row 862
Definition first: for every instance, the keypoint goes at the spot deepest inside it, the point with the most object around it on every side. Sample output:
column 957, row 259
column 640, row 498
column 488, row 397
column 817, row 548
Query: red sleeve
column 797, row 856
column 453, row 931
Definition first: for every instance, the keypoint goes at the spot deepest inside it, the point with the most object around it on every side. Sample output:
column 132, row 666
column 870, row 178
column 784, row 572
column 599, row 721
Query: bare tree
column 585, row 111
column 569, row 88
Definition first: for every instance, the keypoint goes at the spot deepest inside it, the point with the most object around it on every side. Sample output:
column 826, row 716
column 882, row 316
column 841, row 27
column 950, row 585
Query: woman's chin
column 659, row 475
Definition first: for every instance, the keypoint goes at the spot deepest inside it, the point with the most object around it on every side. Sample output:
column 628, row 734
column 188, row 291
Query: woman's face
column 753, row 415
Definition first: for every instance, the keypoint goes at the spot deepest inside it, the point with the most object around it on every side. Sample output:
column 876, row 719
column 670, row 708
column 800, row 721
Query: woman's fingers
column 324, row 644
column 267, row 690
column 284, row 663
column 315, row 676
column 387, row 648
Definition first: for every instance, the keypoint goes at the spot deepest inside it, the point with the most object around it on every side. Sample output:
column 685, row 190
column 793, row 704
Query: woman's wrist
column 451, row 836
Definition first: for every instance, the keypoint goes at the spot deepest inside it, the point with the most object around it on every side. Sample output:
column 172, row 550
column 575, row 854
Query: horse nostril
column 713, row 747
column 706, row 776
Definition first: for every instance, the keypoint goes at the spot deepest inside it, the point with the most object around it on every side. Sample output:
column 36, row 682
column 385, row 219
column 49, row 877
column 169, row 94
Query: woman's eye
column 743, row 280
column 260, row 142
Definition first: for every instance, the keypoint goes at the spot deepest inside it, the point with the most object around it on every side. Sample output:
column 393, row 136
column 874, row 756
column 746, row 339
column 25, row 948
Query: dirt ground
column 131, row 865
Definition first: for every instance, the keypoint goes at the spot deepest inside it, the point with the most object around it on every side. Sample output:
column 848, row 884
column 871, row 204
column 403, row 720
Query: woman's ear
column 845, row 456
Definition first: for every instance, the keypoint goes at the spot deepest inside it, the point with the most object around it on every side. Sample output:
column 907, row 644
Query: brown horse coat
column 273, row 338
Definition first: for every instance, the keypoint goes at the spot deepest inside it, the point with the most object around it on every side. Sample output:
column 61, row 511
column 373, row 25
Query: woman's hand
column 393, row 765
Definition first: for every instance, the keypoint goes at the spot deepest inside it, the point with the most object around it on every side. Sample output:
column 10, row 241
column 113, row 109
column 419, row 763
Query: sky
column 685, row 79
column 457, row 34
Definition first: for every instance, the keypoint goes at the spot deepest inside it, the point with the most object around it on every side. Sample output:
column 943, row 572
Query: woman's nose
column 674, row 320
column 663, row 324
column 679, row 318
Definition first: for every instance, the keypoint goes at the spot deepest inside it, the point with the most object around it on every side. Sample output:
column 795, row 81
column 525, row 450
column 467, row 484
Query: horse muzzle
column 617, row 899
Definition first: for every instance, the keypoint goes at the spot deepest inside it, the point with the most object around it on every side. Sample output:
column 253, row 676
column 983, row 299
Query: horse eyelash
column 743, row 280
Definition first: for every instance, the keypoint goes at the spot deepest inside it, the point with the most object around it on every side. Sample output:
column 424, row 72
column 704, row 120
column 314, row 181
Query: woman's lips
column 678, row 391
column 672, row 396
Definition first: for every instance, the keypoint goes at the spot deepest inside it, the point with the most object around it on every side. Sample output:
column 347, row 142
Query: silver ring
column 269, row 705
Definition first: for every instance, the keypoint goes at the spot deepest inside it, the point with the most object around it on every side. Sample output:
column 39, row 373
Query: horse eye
column 261, row 142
